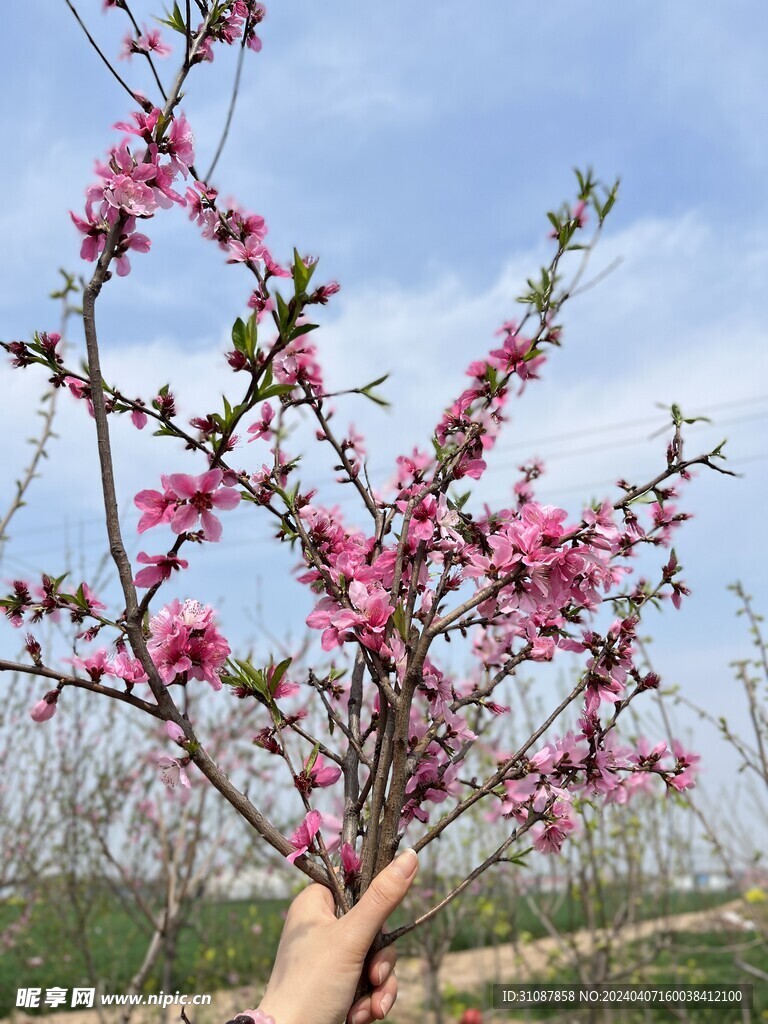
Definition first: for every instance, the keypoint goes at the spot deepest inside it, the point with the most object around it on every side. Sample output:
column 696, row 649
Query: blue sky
column 416, row 148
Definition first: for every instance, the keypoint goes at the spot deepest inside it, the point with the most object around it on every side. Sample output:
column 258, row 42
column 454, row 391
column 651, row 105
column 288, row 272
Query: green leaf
column 399, row 620
column 174, row 20
column 371, row 394
column 303, row 329
column 278, row 674
column 312, row 758
column 275, row 390
column 228, row 412
column 458, row 503
column 302, row 274
column 240, row 336
column 717, row 453
column 283, row 315
column 252, row 341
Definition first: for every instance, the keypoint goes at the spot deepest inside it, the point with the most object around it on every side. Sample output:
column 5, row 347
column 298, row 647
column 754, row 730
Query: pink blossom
column 129, row 669
column 250, row 250
column 185, row 644
column 550, row 835
column 686, row 768
column 423, row 518
column 196, row 496
column 97, row 665
column 149, row 42
column 285, row 688
column 179, row 144
column 131, row 195
column 301, row 840
column 160, row 568
column 81, row 390
column 273, row 267
column 350, row 861
column 173, row 772
column 367, row 618
column 157, row 507
column 262, row 427
column 136, row 242
column 322, row 774
column 144, row 124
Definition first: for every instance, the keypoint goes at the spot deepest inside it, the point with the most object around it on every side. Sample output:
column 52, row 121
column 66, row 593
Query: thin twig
column 230, row 113
column 112, row 70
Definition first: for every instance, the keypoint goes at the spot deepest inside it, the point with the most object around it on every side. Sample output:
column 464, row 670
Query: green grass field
column 222, row 945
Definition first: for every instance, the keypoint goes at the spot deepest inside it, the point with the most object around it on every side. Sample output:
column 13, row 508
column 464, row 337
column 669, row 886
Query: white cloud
column 673, row 323
column 663, row 327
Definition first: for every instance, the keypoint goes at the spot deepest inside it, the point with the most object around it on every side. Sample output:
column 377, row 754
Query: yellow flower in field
column 756, row 895
column 209, row 954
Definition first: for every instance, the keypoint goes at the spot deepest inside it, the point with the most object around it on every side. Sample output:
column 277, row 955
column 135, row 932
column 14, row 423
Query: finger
column 313, row 903
column 384, row 893
column 383, row 999
column 361, row 1012
column 375, row 1006
column 381, row 965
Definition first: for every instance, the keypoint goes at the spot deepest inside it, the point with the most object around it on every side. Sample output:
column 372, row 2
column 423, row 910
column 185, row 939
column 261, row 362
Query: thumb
column 366, row 919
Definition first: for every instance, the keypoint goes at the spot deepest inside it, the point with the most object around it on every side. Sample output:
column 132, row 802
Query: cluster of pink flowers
column 365, row 620
column 48, row 600
column 547, row 781
column 540, row 574
column 120, row 666
column 534, row 579
column 232, row 20
column 238, row 233
column 132, row 186
column 184, row 502
column 297, row 365
column 236, row 20
column 186, row 644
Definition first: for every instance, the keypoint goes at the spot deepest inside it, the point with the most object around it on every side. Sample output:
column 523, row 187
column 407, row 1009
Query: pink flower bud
column 45, row 708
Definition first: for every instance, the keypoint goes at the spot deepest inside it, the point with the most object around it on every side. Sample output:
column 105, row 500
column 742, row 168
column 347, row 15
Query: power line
column 628, row 442
column 626, row 424
column 551, row 439
column 345, row 498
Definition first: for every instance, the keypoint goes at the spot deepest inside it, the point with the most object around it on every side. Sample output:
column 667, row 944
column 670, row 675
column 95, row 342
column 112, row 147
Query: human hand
column 321, row 957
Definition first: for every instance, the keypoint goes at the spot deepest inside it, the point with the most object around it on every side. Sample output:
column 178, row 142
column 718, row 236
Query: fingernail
column 386, row 1003
column 406, row 863
column 384, row 970
column 359, row 1017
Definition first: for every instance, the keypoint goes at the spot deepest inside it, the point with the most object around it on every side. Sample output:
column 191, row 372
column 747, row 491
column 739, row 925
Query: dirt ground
column 467, row 971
